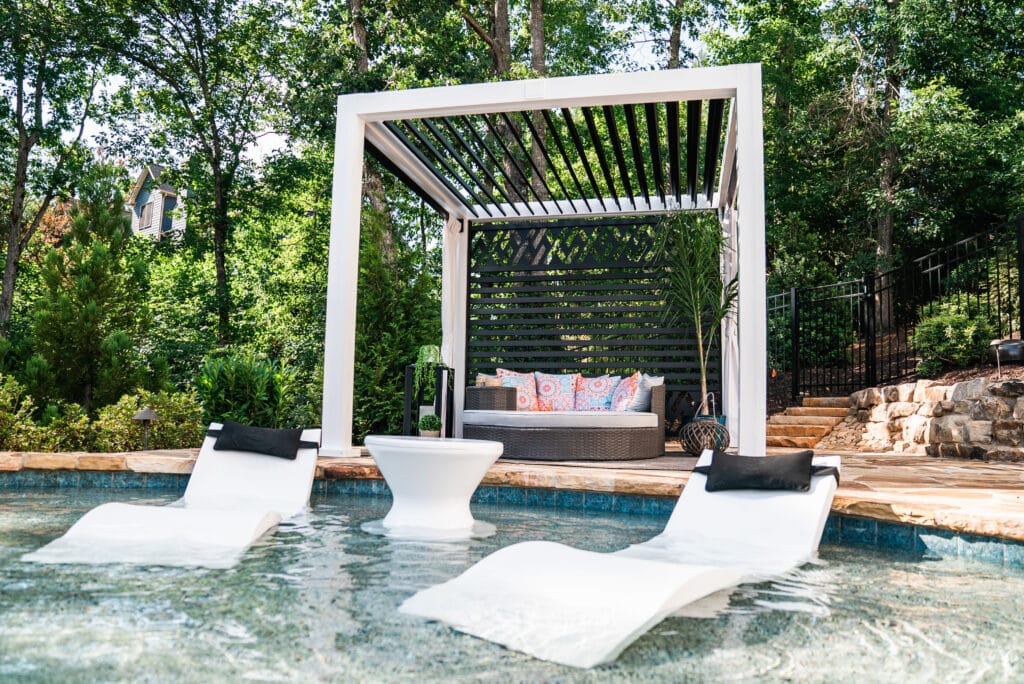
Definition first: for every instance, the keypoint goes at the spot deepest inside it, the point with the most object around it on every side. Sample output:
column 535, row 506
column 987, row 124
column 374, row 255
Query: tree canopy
column 891, row 127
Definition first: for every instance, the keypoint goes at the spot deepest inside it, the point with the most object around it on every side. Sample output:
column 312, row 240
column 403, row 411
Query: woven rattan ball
column 701, row 434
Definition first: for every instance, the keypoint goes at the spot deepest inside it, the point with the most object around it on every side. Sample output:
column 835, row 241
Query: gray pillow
column 642, row 399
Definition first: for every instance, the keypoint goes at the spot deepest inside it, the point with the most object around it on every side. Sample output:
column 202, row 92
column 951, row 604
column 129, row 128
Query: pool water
column 318, row 602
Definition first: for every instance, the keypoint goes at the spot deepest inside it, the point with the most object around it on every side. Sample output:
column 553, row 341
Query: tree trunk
column 538, row 62
column 221, row 223
column 355, row 8
column 889, row 169
column 502, row 38
column 9, row 280
column 675, row 36
column 373, row 184
column 501, row 53
column 14, row 227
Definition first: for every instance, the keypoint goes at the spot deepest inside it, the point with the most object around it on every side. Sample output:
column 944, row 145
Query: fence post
column 868, row 323
column 794, row 343
column 409, row 400
column 1020, row 275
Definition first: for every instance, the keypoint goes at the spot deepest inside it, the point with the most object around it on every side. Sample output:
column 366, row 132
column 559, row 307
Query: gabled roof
column 150, row 172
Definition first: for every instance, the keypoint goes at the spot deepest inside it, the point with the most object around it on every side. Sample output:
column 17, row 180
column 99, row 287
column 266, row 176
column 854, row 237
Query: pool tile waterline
column 924, row 542
column 924, row 506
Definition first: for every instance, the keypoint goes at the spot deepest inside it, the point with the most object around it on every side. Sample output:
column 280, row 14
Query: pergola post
column 461, row 294
column 752, row 324
column 342, row 284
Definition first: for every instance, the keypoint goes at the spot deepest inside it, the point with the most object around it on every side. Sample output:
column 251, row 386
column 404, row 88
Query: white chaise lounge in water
column 232, row 499
column 583, row 608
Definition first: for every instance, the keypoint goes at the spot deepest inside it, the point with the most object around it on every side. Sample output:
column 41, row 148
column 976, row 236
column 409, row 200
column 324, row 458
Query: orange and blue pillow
column 594, row 394
column 526, row 388
column 556, row 392
column 624, row 392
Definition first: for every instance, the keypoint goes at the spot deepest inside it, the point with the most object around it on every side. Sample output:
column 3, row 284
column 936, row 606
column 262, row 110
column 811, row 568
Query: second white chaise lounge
column 583, row 608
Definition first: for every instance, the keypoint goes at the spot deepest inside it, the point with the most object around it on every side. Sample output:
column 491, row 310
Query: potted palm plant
column 696, row 294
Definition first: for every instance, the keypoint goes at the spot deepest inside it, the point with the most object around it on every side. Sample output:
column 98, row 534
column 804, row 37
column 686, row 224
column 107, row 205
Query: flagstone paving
column 963, row 496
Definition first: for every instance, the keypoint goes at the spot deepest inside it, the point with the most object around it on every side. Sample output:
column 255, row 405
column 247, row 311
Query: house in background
column 155, row 207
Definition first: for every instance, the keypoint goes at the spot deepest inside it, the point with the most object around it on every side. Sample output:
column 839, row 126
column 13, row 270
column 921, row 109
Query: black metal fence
column 836, row 339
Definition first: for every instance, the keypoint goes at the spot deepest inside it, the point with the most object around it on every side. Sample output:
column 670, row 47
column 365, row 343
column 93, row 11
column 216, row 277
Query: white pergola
column 419, row 134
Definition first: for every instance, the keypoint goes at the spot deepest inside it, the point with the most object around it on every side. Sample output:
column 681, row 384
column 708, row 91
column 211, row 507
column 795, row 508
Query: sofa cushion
column 556, row 392
column 624, row 392
column 561, row 419
column 526, row 388
column 594, row 394
column 484, row 380
column 642, row 398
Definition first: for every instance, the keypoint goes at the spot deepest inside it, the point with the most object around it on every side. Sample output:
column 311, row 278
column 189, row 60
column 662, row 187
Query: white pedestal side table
column 431, row 482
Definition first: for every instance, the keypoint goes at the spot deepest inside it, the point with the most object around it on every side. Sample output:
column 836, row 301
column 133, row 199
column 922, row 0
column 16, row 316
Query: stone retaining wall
column 978, row 419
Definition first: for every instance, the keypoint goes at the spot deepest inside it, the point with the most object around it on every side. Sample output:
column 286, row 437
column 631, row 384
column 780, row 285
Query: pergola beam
column 400, row 156
column 554, row 93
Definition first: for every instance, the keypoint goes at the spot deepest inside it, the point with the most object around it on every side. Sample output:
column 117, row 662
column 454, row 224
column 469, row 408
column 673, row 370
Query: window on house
column 146, row 220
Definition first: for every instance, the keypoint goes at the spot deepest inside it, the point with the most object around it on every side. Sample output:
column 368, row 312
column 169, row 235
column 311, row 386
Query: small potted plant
column 430, row 426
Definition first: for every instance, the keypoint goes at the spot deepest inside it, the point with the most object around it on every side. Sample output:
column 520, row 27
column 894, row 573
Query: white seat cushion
column 561, row 419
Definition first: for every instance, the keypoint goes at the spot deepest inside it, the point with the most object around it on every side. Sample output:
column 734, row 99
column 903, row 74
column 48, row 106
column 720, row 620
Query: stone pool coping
column 969, row 498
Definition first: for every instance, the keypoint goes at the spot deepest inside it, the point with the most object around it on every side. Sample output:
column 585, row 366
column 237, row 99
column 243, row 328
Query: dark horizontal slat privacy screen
column 576, row 296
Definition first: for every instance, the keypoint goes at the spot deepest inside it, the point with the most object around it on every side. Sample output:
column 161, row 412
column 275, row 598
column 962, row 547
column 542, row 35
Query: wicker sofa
column 490, row 413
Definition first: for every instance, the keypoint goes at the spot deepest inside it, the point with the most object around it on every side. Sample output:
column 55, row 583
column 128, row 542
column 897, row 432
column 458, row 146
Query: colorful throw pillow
column 526, row 388
column 594, row 394
column 642, row 399
column 556, row 392
column 624, row 392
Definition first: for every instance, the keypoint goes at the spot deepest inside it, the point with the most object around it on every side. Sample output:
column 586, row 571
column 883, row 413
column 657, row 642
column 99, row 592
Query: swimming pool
column 319, row 602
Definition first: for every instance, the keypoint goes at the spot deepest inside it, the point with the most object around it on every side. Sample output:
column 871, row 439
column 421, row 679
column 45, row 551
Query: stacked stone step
column 803, row 426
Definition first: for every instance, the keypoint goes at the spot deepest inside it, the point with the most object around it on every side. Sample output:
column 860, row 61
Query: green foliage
column 49, row 59
column 429, row 423
column 248, row 390
column 179, row 423
column 397, row 312
column 695, row 292
column 65, row 427
column 92, row 302
column 427, row 357
column 950, row 340
column 184, row 326
column 985, row 288
column 17, row 431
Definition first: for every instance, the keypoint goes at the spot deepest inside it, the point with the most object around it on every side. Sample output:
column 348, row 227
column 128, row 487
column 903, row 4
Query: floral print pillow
column 594, row 394
column 556, row 392
column 624, row 392
column 526, row 388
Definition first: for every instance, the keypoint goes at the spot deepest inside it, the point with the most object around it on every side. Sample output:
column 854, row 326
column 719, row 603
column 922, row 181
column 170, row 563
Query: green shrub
column 17, row 431
column 179, row 423
column 950, row 339
column 65, row 427
column 430, row 422
column 983, row 288
column 248, row 390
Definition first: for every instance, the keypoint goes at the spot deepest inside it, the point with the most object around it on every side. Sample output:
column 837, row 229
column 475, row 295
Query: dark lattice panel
column 576, row 297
